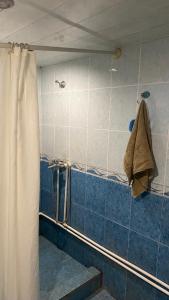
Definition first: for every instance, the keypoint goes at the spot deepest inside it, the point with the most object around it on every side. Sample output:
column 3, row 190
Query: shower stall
column 86, row 208
column 96, row 241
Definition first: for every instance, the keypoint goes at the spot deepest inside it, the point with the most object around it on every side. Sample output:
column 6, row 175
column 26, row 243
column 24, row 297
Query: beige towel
column 139, row 162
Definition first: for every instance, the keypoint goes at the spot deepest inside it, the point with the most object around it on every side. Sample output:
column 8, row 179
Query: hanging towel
column 139, row 163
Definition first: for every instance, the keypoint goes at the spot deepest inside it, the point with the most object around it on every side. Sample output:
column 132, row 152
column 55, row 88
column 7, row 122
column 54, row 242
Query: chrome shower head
column 62, row 84
column 4, row 4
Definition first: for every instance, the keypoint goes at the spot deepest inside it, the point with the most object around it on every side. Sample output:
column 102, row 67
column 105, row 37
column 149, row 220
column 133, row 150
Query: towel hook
column 144, row 95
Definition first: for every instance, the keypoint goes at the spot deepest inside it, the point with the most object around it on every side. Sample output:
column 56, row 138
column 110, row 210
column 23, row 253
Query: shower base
column 62, row 277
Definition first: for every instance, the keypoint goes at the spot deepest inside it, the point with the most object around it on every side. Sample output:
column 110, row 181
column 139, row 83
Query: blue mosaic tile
column 94, row 226
column 164, row 225
column 146, row 215
column 114, row 279
column 116, row 238
column 77, row 217
column 96, row 193
column 163, row 263
column 78, row 181
column 118, row 203
column 143, row 252
column 137, row 289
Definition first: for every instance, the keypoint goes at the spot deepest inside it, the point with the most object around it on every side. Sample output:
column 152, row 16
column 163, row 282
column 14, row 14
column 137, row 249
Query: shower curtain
column 19, row 175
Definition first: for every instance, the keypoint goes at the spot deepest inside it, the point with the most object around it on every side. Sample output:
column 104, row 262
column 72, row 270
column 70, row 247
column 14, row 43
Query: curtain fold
column 19, row 175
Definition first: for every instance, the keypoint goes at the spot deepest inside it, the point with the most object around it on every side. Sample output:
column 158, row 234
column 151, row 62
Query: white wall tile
column 78, row 145
column 159, row 143
column 97, row 148
column 61, row 108
column 99, row 71
column 47, row 80
column 78, row 108
column 117, row 147
column 166, row 181
column 48, row 109
column 155, row 61
column 127, row 66
column 61, row 73
column 123, row 107
column 158, row 107
column 47, row 140
column 99, row 107
column 61, row 143
column 79, row 73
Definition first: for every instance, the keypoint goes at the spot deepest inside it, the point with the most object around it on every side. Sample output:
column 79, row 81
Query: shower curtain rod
column 116, row 51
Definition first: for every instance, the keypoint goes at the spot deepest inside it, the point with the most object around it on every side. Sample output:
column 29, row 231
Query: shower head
column 62, row 84
column 6, row 4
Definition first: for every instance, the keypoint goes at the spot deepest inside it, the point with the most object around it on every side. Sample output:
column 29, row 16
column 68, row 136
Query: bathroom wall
column 87, row 123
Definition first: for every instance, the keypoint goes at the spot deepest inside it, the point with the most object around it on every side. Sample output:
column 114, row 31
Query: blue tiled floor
column 102, row 295
column 60, row 274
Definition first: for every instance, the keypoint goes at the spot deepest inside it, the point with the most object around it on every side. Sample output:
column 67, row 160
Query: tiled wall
column 136, row 230
column 87, row 122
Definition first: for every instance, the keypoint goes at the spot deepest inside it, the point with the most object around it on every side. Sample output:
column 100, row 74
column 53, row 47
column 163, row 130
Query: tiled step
column 101, row 295
column 62, row 277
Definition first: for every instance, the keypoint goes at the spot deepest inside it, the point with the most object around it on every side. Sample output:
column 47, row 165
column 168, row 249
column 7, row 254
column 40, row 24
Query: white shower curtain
column 19, row 175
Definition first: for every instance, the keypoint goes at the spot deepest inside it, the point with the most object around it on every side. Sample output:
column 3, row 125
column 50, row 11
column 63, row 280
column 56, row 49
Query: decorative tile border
column 114, row 176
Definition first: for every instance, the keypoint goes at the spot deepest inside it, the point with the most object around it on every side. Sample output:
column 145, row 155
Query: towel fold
column 139, row 163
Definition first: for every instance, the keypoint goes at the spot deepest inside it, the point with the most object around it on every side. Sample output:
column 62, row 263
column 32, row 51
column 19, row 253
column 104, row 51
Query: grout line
column 105, row 87
column 138, row 80
column 87, row 114
column 69, row 100
column 108, row 138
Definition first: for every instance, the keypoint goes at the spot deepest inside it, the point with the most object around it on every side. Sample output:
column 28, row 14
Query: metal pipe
column 63, row 49
column 57, row 194
column 112, row 256
column 66, row 194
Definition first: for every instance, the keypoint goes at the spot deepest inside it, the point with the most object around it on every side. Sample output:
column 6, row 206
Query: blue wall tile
column 146, row 215
column 163, row 263
column 77, row 217
column 116, row 238
column 118, row 203
column 93, row 258
column 46, row 177
column 61, row 192
column 137, row 289
column 165, row 222
column 47, row 203
column 115, row 279
column 94, row 226
column 96, row 193
column 143, row 252
column 161, row 296
column 78, row 181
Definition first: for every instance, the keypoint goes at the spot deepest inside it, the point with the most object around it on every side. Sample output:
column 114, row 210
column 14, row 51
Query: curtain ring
column 11, row 47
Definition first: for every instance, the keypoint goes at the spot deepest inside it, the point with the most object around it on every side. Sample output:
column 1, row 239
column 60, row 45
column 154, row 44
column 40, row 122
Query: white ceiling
column 110, row 22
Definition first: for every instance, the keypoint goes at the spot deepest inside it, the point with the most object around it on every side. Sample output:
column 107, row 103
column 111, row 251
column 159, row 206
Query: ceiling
column 95, row 24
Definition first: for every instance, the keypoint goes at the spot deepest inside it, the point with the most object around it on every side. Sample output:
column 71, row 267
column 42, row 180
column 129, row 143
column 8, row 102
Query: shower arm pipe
column 115, row 52
column 112, row 256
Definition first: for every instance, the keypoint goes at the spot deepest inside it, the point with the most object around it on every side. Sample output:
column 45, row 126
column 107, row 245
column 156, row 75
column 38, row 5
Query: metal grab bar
column 56, row 165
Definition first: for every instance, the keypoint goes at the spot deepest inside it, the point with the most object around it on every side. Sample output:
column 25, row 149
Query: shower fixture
column 62, row 84
column 4, row 4
column 113, row 69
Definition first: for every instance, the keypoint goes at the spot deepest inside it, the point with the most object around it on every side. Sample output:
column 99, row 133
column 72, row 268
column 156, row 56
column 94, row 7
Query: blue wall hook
column 131, row 125
column 145, row 94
